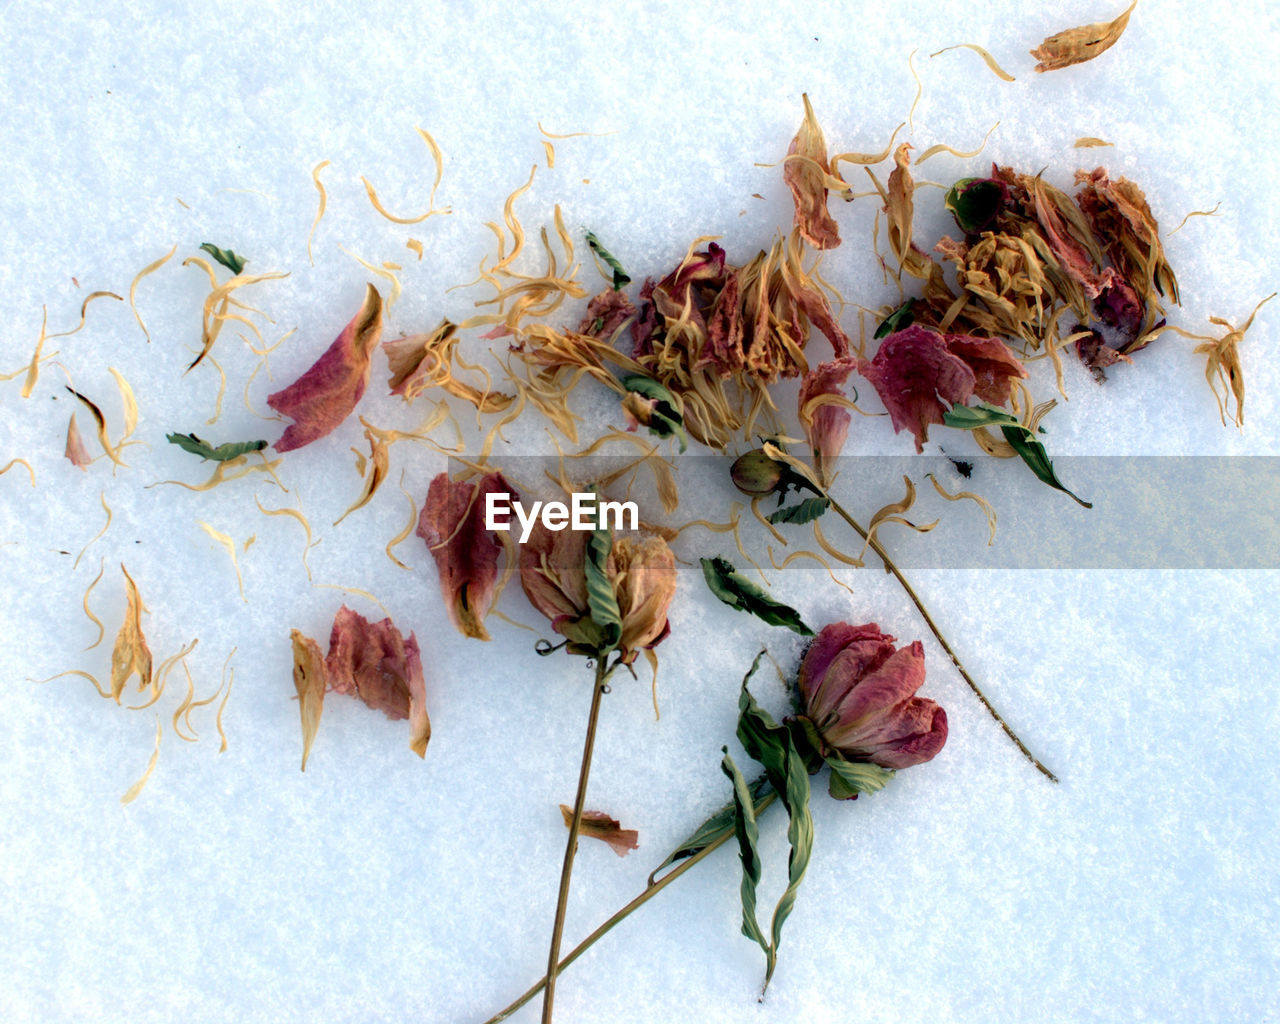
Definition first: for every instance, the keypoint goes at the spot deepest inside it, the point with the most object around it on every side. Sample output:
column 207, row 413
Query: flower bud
column 757, row 475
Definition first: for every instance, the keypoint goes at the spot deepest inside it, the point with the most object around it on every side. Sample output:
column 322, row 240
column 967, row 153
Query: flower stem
column 571, row 848
column 648, row 894
column 924, row 614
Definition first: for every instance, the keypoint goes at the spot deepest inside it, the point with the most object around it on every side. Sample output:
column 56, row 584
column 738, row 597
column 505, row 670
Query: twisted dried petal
column 807, row 180
column 918, row 379
column 325, row 395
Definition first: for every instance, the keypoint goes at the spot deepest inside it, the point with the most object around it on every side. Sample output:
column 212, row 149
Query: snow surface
column 377, row 886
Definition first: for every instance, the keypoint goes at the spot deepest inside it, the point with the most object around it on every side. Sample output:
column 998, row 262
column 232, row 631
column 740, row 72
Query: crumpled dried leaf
column 325, row 395
column 309, row 681
column 130, row 656
column 806, row 178
column 1077, row 45
column 598, row 825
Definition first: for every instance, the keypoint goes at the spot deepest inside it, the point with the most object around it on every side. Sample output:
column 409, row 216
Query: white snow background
column 379, row 887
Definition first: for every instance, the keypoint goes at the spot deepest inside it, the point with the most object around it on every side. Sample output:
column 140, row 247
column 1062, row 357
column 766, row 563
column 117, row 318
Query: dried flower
column 919, row 374
column 325, row 395
column 466, row 554
column 822, row 413
column 641, row 574
column 806, row 171
column 859, row 694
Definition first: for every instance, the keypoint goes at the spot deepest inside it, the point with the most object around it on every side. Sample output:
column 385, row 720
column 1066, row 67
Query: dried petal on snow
column 1077, row 45
column 130, row 656
column 465, row 553
column 806, row 177
column 75, row 449
column 918, row 379
column 598, row 825
column 309, row 681
column 325, row 395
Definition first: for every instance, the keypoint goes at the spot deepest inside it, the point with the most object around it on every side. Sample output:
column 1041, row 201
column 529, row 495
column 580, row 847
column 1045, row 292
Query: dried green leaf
column 602, row 602
column 662, row 415
column 620, row 277
column 849, row 778
column 226, row 257
column 222, row 453
column 718, row 826
column 901, row 317
column 735, row 590
column 1031, row 451
column 744, row 825
column 806, row 512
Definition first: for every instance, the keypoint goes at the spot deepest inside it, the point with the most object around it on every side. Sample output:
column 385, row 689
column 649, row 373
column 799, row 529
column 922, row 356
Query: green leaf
column 620, row 277
column 226, row 257
column 222, row 453
column 1031, row 451
column 774, row 747
column 666, row 420
column 718, row 826
column 849, row 778
column 901, row 317
column 1033, row 454
column 735, row 590
column 744, row 824
column 806, row 512
column 601, row 602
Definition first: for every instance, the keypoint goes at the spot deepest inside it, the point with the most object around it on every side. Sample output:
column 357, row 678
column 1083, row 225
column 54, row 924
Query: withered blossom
column 858, row 691
column 325, row 395
column 919, row 374
column 465, row 553
column 606, row 313
column 641, row 573
column 806, row 171
column 822, row 414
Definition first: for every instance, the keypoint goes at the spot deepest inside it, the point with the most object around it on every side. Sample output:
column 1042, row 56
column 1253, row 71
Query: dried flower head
column 858, row 693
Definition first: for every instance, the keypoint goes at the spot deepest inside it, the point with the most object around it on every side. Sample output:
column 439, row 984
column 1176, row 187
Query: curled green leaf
column 903, row 316
column 1031, row 451
column 656, row 408
column 717, row 827
column 226, row 257
column 620, row 277
column 806, row 512
column 222, row 453
column 744, row 824
column 849, row 778
column 735, row 590
column 601, row 600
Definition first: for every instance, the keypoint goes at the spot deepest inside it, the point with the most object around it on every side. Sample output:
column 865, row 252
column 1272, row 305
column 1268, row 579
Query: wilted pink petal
column 643, row 574
column 918, row 379
column 552, row 573
column 465, row 553
column 325, row 395
column 598, row 825
column 859, row 694
column 815, row 306
column 806, row 177
column 75, row 450
column 725, row 329
column 1119, row 306
column 606, row 313
column 993, row 363
column 826, row 423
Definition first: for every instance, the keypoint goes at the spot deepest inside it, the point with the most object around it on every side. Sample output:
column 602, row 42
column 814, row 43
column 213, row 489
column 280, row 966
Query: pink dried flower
column 325, row 395
column 825, row 421
column 859, row 693
column 465, row 553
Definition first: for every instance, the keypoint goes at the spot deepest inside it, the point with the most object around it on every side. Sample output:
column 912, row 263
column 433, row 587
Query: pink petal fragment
column 465, row 553
column 325, row 395
column 75, row 450
column 598, row 825
column 918, row 379
column 993, row 363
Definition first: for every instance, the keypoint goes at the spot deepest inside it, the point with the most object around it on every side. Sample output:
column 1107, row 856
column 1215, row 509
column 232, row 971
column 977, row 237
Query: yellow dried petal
column 130, row 656
column 1077, row 45
column 309, row 681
